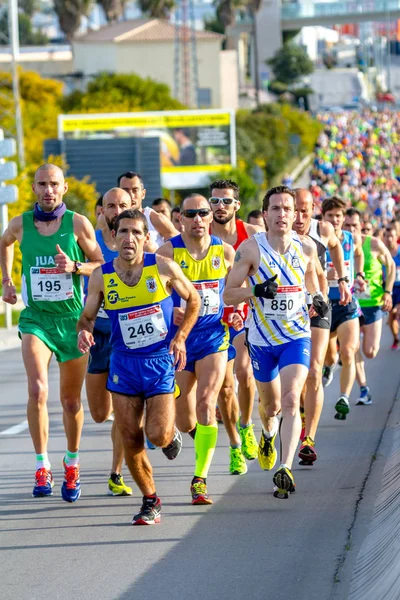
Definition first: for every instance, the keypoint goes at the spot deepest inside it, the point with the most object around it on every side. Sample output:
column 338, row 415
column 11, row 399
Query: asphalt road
column 247, row 545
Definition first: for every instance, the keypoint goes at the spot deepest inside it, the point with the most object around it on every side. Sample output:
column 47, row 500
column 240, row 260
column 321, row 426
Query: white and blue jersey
column 348, row 256
column 285, row 318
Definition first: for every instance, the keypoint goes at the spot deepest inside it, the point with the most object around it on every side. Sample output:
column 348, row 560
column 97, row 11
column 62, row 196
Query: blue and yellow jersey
column 285, row 318
column 140, row 315
column 348, row 256
column 208, row 277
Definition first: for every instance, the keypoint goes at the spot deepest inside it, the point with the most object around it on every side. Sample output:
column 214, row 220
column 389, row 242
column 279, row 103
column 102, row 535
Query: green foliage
column 113, row 9
column 290, row 63
column 158, row 9
column 29, row 7
column 27, row 37
column 70, row 13
column 248, row 189
column 214, row 24
column 263, row 137
column 121, row 93
column 277, row 87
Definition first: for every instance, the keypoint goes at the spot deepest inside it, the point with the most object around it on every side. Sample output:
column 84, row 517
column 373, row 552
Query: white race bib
column 102, row 313
column 397, row 274
column 287, row 303
column 143, row 327
column 51, row 285
column 365, row 295
column 334, row 282
column 209, row 296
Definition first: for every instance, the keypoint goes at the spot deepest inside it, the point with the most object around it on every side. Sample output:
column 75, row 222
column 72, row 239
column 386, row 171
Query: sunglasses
column 215, row 201
column 366, row 230
column 191, row 213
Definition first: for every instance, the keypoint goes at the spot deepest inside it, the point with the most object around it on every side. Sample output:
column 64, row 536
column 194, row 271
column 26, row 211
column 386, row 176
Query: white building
column 146, row 47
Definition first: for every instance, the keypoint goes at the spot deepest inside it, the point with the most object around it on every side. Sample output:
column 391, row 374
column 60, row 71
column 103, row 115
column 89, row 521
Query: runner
column 323, row 234
column 205, row 260
column 255, row 218
column 54, row 242
column 224, row 204
column 136, row 289
column 162, row 206
column 374, row 300
column 176, row 222
column 160, row 226
column 391, row 242
column 277, row 265
column 115, row 201
column 345, row 326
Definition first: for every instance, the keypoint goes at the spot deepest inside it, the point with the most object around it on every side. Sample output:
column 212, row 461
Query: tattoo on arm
column 238, row 255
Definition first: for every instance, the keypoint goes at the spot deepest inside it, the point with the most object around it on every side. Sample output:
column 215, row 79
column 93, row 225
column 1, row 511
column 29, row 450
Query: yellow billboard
column 194, row 144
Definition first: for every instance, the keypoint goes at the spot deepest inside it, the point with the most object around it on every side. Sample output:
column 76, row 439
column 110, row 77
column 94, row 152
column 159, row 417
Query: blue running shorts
column 209, row 341
column 267, row 361
column 100, row 353
column 341, row 314
column 370, row 314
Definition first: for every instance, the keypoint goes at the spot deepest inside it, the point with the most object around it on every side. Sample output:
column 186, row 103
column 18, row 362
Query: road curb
column 377, row 570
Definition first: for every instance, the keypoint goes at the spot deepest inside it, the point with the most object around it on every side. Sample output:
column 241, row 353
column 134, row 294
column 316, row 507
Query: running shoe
column 249, row 441
column 394, row 346
column 307, row 452
column 365, row 398
column 303, row 424
column 237, row 464
column 117, row 487
column 284, row 483
column 150, row 513
column 71, row 487
column 199, row 492
column 267, row 453
column 327, row 375
column 43, row 483
column 342, row 408
column 218, row 416
column 173, row 449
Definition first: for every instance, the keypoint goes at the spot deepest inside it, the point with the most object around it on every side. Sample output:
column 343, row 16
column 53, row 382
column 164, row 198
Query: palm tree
column 70, row 13
column 158, row 9
column 113, row 9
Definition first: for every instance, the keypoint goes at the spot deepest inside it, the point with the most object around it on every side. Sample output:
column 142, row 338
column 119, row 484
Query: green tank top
column 43, row 288
column 373, row 296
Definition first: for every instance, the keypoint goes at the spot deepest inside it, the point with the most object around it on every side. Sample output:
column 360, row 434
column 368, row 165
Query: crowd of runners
column 174, row 317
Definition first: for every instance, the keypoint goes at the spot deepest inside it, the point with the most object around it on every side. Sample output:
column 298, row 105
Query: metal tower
column 185, row 60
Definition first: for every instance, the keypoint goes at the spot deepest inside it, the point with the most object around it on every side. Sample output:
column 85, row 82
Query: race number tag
column 102, row 313
column 51, row 285
column 362, row 295
column 397, row 274
column 334, row 282
column 287, row 303
column 209, row 296
column 143, row 327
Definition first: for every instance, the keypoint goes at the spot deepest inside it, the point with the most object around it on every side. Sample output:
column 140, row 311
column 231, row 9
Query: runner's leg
column 314, row 395
column 245, row 378
column 72, row 375
column 228, row 405
column 349, row 339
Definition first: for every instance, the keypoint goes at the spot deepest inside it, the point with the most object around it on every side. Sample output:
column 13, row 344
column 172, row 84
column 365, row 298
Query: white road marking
column 15, row 429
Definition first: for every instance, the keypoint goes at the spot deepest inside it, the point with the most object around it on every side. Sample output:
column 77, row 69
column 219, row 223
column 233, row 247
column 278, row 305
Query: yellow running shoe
column 267, row 453
column 284, row 483
column 249, row 441
column 237, row 462
column 117, row 487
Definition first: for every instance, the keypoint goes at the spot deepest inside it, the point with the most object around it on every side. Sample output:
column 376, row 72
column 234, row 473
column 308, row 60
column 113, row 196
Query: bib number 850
column 282, row 305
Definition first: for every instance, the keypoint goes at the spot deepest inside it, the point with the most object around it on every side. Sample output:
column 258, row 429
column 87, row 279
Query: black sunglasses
column 191, row 213
column 216, row 201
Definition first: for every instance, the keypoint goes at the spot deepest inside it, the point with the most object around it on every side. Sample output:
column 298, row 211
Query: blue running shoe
column 71, row 487
column 365, row 398
column 44, row 483
column 149, row 445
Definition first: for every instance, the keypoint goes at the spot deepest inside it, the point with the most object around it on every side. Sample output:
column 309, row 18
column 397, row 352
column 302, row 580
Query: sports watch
column 78, row 267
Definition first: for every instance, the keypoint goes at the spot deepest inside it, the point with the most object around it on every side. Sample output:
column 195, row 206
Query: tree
column 121, row 93
column 27, row 37
column 158, row 9
column 290, row 63
column 29, row 7
column 70, row 13
column 113, row 9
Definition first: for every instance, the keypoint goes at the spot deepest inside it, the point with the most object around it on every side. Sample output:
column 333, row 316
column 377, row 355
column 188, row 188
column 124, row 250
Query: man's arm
column 229, row 255
column 311, row 278
column 10, row 236
column 86, row 239
column 337, row 256
column 358, row 259
column 163, row 225
column 87, row 319
column 385, row 258
column 185, row 289
column 252, row 229
column 166, row 250
column 234, row 293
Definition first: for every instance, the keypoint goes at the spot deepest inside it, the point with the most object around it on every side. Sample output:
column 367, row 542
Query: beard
column 110, row 222
column 223, row 220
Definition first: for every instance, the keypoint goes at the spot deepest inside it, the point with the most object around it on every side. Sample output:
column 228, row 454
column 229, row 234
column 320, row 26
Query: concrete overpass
column 295, row 15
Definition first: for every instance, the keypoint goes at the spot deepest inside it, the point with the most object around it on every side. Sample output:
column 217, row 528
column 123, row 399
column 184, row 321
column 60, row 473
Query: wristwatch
column 78, row 267
column 388, row 292
column 360, row 274
column 346, row 279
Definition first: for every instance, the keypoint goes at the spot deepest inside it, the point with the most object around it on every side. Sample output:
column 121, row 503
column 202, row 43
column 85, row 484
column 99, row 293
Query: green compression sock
column 204, row 445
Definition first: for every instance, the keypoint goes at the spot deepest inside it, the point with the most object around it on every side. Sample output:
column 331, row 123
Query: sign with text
column 195, row 144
